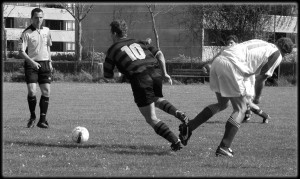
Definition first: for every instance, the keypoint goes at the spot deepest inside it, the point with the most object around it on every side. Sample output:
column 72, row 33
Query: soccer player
column 228, row 74
column 144, row 66
column 232, row 40
column 34, row 47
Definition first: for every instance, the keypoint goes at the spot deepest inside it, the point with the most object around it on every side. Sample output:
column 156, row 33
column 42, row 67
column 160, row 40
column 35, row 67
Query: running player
column 228, row 74
column 144, row 66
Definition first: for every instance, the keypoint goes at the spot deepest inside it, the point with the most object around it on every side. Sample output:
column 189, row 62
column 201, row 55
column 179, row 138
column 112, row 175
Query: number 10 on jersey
column 134, row 51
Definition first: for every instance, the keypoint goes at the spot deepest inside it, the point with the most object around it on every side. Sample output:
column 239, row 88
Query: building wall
column 21, row 15
column 174, row 39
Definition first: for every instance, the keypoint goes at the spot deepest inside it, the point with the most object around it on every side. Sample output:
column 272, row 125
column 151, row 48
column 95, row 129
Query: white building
column 61, row 23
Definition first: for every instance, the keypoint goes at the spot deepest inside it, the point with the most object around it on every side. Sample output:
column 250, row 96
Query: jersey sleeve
column 108, row 66
column 273, row 61
column 152, row 49
column 22, row 44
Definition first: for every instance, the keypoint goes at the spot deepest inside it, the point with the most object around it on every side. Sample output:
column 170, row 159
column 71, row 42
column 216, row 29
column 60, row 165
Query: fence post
column 100, row 69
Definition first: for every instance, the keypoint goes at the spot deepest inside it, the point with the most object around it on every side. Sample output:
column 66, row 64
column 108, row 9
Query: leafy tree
column 247, row 21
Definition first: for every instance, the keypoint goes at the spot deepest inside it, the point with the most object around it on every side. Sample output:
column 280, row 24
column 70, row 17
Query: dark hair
column 35, row 10
column 285, row 45
column 119, row 27
column 232, row 37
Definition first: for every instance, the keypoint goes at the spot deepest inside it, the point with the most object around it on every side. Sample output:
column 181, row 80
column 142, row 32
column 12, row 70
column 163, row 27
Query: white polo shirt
column 36, row 43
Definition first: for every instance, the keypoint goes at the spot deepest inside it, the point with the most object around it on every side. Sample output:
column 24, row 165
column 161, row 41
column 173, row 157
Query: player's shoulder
column 29, row 29
column 46, row 28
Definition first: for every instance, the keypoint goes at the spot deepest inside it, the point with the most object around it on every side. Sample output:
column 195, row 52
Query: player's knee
column 31, row 92
column 223, row 106
column 152, row 121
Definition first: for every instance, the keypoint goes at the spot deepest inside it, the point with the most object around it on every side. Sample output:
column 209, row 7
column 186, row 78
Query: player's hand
column 168, row 78
column 36, row 65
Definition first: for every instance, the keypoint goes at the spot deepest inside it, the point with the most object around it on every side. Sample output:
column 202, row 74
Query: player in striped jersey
column 230, row 73
column 144, row 66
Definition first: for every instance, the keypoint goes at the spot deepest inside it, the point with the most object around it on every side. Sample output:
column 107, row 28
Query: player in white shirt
column 230, row 75
column 34, row 47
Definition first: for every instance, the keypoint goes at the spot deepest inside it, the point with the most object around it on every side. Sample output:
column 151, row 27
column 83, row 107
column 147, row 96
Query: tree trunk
column 4, row 42
column 78, row 46
column 154, row 27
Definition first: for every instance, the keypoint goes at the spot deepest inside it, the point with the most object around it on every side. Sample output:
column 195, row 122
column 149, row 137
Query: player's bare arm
column 162, row 62
column 259, row 84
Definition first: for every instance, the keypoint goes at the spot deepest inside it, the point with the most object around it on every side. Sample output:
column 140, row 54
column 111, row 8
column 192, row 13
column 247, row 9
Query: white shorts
column 227, row 80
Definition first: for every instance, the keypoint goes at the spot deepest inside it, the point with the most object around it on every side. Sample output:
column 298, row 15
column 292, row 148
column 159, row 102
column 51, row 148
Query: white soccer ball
column 80, row 134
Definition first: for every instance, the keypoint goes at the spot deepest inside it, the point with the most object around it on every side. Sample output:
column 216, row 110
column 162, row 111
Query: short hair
column 35, row 10
column 285, row 45
column 232, row 37
column 119, row 27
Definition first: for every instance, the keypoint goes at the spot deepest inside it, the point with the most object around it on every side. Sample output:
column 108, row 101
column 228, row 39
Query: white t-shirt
column 36, row 43
column 254, row 57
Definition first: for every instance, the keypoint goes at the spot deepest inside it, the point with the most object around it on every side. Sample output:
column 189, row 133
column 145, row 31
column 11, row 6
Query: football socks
column 203, row 116
column 44, row 101
column 231, row 129
column 163, row 130
column 32, row 103
column 167, row 107
column 260, row 112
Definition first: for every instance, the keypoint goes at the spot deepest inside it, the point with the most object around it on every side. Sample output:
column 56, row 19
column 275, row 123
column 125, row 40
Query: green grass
column 122, row 144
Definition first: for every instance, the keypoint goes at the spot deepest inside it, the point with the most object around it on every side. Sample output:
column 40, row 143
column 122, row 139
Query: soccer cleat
column 31, row 122
column 248, row 114
column 182, row 117
column 42, row 124
column 185, row 133
column 176, row 146
column 224, row 151
column 266, row 120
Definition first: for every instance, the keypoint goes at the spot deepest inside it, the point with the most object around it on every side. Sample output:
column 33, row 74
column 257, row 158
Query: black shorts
column 42, row 75
column 146, row 86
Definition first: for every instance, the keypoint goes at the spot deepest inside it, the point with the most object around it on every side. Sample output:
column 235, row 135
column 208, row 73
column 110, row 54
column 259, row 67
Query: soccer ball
column 80, row 134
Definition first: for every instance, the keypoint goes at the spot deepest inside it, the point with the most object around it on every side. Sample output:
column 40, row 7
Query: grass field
column 122, row 144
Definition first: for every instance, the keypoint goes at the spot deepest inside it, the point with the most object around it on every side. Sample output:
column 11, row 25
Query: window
column 70, row 46
column 54, row 24
column 11, row 44
column 9, row 22
column 57, row 47
column 70, row 25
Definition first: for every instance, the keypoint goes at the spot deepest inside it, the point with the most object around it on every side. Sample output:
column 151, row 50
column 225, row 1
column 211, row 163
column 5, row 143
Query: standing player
column 228, row 74
column 34, row 47
column 142, row 64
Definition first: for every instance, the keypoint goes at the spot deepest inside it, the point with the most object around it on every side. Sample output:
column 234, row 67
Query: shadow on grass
column 109, row 148
column 223, row 122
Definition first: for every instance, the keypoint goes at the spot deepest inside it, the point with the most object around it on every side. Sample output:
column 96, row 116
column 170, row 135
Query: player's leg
column 256, row 110
column 31, row 99
column 44, row 82
column 31, row 78
column 232, row 125
column 202, row 117
column 159, row 126
column 144, row 97
column 44, row 102
column 162, row 103
column 169, row 108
